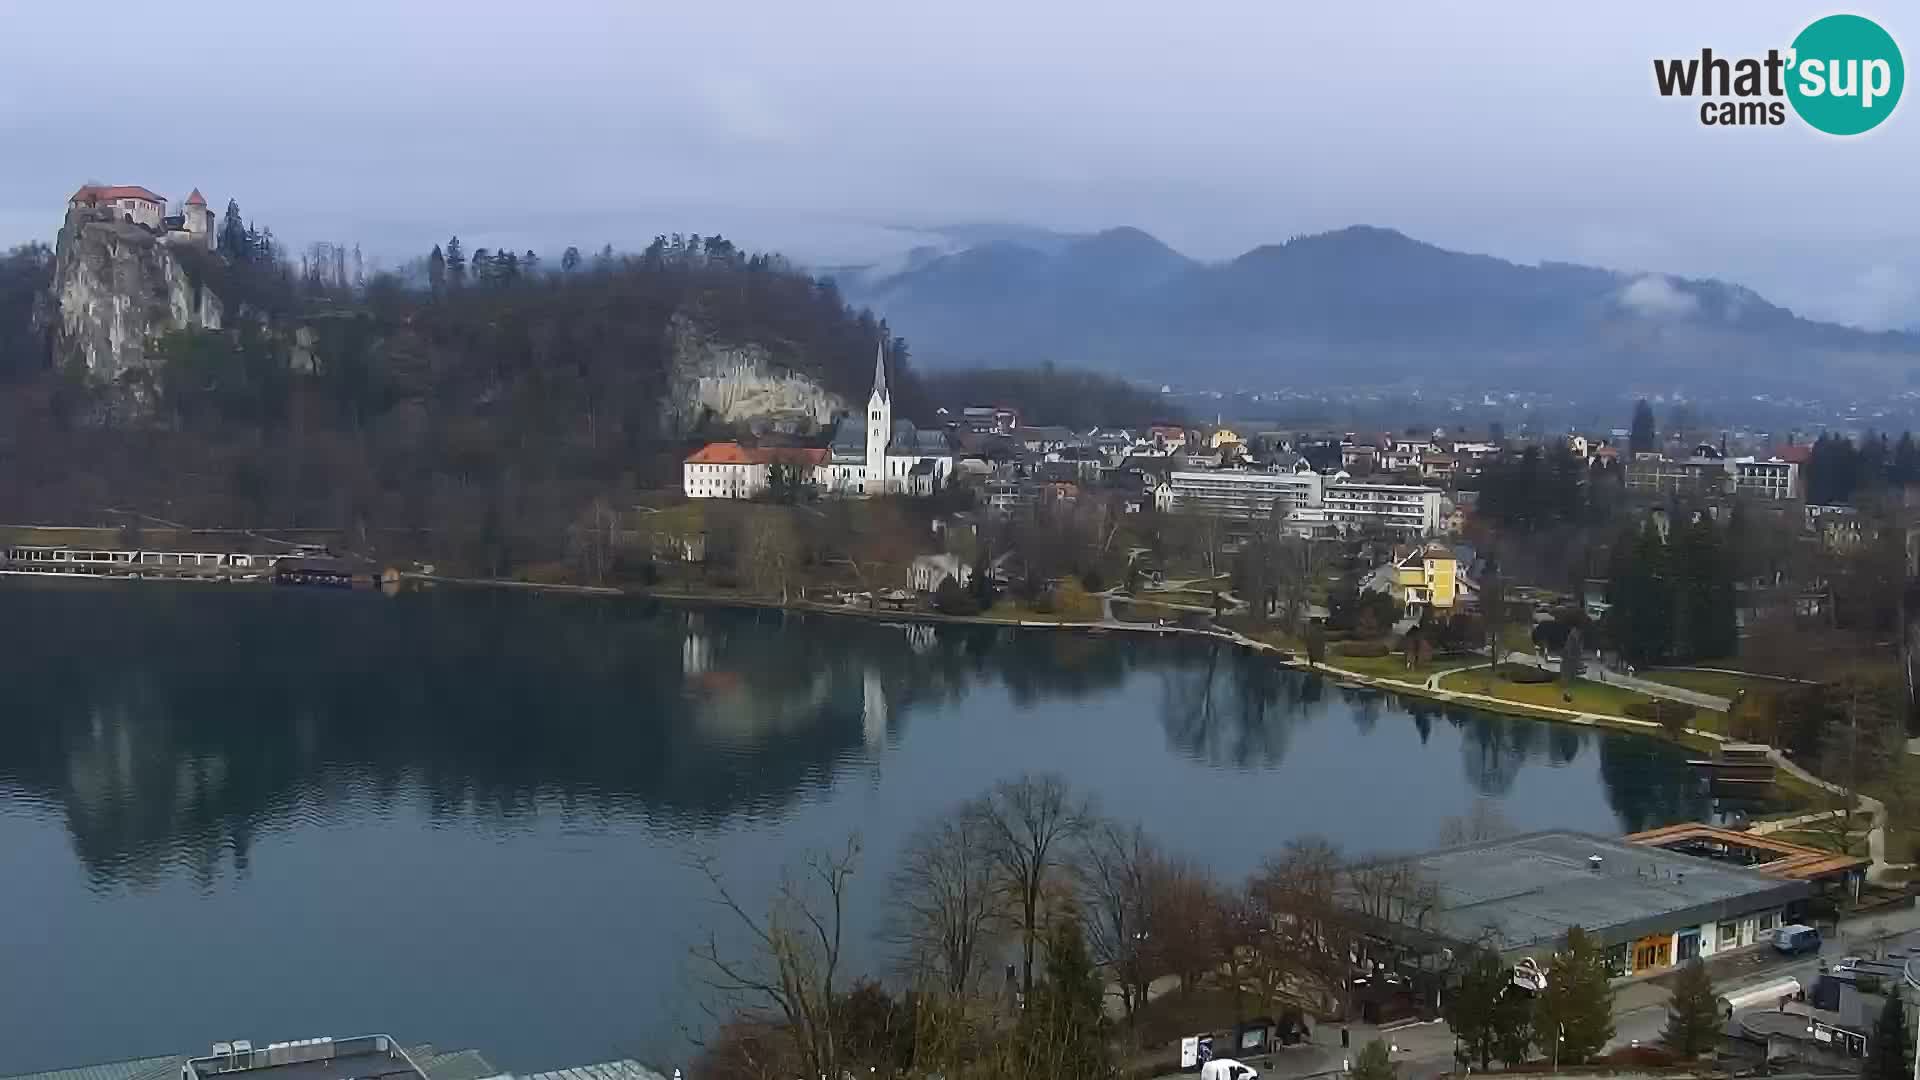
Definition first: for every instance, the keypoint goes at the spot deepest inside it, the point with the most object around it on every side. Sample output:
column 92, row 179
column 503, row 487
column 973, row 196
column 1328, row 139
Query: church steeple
column 880, row 370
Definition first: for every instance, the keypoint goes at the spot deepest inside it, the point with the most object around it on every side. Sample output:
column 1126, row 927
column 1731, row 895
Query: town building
column 1769, row 479
column 1650, row 908
column 928, row 572
column 1427, row 577
column 1656, row 474
column 1768, row 854
column 1354, row 505
column 727, row 470
column 1242, row 494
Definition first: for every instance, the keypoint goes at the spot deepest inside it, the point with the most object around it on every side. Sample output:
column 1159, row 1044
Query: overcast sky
column 1526, row 129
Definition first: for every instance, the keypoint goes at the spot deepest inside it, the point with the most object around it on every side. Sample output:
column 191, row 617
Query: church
column 878, row 455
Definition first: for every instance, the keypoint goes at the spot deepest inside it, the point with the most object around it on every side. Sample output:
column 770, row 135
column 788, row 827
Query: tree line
column 1080, row 907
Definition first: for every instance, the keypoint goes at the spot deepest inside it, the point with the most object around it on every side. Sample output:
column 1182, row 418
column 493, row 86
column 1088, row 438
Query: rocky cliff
column 738, row 384
column 116, row 288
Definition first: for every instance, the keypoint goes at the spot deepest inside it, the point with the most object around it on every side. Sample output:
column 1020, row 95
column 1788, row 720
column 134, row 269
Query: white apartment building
column 1406, row 508
column 1774, row 479
column 1241, row 494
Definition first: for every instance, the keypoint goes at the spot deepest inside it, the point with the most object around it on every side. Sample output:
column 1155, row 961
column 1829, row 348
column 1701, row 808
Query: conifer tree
column 1063, row 1027
column 1373, row 1063
column 456, row 263
column 1577, row 1005
column 437, row 270
column 1887, row 1051
column 1693, row 1016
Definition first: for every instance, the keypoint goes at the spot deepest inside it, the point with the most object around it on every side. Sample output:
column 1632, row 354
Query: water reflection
column 169, row 728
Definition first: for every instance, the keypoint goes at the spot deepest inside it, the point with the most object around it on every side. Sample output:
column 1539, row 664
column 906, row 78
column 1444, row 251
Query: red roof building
column 196, row 199
column 101, row 194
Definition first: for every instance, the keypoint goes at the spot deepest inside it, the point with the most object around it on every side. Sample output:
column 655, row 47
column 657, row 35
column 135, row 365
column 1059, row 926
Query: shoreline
column 1286, row 657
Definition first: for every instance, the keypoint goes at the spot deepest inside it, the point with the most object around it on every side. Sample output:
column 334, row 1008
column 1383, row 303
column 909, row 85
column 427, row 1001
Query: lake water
column 466, row 817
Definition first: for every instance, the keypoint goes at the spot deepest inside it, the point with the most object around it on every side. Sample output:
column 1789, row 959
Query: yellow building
column 1223, row 438
column 1429, row 576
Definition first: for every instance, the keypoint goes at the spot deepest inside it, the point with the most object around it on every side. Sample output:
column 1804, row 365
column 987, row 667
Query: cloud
column 1655, row 297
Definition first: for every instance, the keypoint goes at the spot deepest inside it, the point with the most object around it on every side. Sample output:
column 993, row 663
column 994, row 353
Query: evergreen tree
column 437, row 270
column 1887, row 1050
column 1693, row 1016
column 1490, row 1018
column 1639, row 588
column 233, row 234
column 1373, row 1063
column 1577, row 1005
column 456, row 263
column 1063, row 1027
column 982, row 583
column 570, row 260
column 1573, row 658
column 1642, row 438
column 530, row 263
column 482, row 266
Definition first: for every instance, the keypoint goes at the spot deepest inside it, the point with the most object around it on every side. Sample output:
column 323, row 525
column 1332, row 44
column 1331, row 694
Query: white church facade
column 872, row 454
column 878, row 455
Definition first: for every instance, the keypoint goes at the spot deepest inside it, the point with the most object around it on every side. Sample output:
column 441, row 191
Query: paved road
column 1640, row 1008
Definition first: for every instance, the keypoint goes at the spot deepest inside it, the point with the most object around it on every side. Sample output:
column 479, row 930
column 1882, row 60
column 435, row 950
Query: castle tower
column 199, row 219
column 879, row 424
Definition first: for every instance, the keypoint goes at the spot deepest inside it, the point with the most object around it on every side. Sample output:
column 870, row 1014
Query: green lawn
column 1588, row 696
column 1394, row 665
column 1719, row 684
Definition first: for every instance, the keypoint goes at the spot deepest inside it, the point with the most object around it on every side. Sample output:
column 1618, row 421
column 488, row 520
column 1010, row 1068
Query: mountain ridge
column 1363, row 302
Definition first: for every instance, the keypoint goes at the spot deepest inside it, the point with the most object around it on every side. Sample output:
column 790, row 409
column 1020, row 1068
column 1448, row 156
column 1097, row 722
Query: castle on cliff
column 193, row 225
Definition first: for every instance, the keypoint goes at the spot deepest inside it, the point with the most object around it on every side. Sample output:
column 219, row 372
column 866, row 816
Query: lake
column 466, row 817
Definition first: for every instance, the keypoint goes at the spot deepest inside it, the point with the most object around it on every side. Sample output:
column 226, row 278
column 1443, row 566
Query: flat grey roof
column 1528, row 890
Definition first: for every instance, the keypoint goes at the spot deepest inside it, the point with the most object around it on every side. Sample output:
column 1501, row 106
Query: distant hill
column 1361, row 305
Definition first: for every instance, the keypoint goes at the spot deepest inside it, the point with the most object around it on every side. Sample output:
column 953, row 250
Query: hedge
column 1361, row 649
column 1663, row 712
column 1526, row 675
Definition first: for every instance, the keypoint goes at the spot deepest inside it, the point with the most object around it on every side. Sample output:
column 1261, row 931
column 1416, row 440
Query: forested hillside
column 466, row 419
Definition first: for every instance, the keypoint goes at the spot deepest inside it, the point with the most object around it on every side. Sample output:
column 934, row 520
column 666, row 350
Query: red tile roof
column 1799, row 453
column 196, row 199
column 732, row 453
column 95, row 193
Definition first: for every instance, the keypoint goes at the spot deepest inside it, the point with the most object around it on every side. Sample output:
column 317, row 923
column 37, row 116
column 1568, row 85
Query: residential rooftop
column 1524, row 892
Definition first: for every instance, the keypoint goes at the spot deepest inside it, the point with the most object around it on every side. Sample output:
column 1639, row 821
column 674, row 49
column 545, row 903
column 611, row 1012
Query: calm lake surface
column 465, row 817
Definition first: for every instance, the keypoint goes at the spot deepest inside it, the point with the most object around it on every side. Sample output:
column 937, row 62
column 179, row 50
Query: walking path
column 1601, row 674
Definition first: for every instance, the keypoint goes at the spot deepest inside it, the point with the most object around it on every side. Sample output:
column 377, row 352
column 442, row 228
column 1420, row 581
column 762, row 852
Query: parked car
column 1796, row 938
column 1228, row 1069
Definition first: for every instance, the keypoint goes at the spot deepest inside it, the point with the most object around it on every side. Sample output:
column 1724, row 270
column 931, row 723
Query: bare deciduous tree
column 944, row 902
column 792, row 955
column 1031, row 822
column 1118, row 870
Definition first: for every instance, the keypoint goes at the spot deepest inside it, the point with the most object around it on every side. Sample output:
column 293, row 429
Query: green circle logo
column 1846, row 75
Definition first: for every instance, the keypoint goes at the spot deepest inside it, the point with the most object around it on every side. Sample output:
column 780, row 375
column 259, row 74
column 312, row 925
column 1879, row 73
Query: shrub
column 1361, row 648
column 951, row 599
column 1526, row 675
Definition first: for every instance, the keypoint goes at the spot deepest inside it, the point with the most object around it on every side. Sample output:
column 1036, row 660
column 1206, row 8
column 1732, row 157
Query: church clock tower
column 879, row 424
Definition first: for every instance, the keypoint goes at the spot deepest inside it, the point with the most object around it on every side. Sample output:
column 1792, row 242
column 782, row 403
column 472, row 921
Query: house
column 928, row 572
column 1044, row 438
column 1170, row 437
column 727, row 470
column 1438, row 466
column 1427, row 577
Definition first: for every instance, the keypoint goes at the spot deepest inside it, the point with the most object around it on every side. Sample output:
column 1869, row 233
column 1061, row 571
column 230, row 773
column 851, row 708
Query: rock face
column 116, row 288
column 739, row 384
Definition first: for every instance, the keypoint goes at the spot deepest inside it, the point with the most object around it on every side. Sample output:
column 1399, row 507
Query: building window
column 1766, row 921
column 1729, row 934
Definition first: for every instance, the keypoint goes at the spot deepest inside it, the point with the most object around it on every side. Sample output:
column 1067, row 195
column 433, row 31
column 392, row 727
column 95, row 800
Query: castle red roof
column 96, row 193
column 196, row 199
